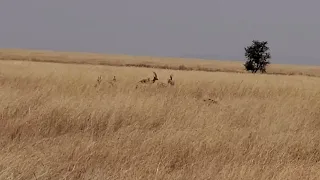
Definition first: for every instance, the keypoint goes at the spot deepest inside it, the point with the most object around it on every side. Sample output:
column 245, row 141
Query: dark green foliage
column 257, row 56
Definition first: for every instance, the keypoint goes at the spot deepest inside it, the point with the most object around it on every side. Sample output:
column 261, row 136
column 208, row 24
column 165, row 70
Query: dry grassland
column 55, row 125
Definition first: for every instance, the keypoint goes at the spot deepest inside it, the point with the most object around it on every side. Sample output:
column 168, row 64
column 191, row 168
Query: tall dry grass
column 55, row 125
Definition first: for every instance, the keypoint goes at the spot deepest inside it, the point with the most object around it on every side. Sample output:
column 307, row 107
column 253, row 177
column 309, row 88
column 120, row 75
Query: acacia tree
column 257, row 56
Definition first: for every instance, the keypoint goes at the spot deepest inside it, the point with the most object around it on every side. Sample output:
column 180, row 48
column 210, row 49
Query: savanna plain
column 56, row 123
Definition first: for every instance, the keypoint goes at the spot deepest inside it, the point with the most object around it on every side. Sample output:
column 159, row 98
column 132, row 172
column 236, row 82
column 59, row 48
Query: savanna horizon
column 174, row 63
column 56, row 123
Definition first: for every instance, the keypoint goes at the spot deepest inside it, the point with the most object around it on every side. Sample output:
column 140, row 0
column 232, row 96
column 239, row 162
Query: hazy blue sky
column 217, row 29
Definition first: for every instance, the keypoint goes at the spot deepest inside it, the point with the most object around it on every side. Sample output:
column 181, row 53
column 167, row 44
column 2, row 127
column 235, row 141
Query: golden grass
column 147, row 61
column 54, row 124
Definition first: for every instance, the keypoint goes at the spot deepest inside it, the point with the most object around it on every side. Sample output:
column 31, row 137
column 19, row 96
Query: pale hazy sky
column 217, row 29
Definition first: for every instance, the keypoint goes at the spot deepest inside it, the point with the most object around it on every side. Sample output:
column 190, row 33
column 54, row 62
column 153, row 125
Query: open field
column 55, row 124
column 146, row 61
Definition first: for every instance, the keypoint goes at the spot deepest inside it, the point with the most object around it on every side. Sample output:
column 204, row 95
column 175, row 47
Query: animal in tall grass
column 170, row 82
column 147, row 81
column 99, row 81
column 113, row 82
